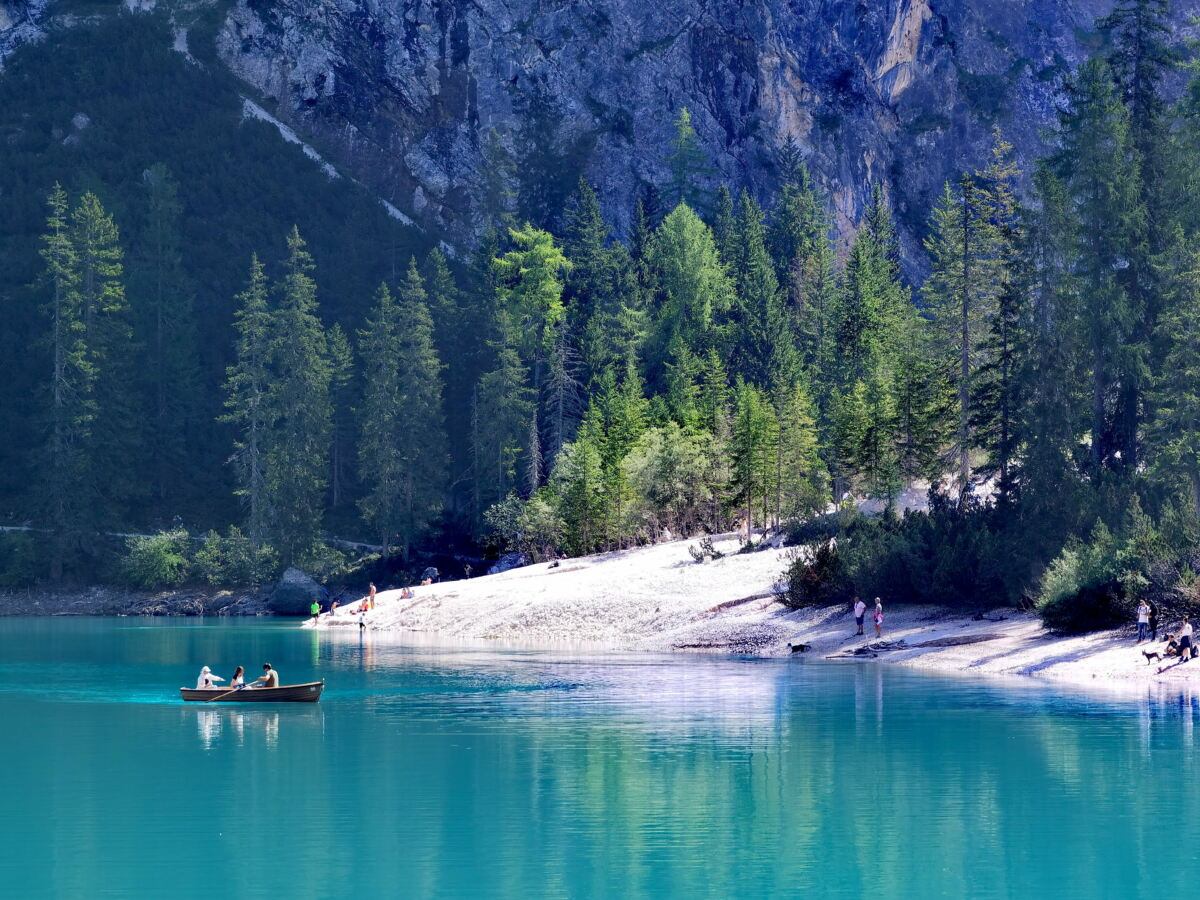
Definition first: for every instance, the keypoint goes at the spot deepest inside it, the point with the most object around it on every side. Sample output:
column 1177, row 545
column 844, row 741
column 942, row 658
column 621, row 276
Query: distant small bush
column 158, row 560
column 706, row 550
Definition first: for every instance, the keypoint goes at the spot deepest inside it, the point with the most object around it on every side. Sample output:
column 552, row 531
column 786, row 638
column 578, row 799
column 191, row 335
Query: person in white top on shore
column 878, row 618
column 206, row 681
column 1143, row 620
column 860, row 610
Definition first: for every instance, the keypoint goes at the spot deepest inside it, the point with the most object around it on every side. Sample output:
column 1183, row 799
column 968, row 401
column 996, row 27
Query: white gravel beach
column 659, row 599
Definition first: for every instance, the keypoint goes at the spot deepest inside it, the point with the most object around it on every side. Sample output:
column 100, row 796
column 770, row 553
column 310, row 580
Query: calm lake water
column 484, row 772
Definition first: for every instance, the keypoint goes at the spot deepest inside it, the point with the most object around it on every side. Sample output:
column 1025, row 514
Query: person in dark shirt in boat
column 269, row 677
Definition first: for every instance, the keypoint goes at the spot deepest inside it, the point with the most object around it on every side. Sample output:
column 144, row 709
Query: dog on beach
column 1151, row 655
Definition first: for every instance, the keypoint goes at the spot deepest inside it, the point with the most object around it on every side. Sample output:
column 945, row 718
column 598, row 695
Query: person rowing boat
column 268, row 679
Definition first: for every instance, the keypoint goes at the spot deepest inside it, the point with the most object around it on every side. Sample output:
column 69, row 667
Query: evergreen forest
column 211, row 341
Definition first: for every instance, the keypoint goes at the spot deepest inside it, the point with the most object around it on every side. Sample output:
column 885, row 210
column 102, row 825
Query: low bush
column 232, row 561
column 157, row 560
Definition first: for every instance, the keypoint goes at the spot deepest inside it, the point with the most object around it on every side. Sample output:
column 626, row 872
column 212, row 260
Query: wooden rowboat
column 285, row 693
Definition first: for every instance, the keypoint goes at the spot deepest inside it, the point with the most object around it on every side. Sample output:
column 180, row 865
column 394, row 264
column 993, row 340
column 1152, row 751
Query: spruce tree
column 763, row 346
column 402, row 448
column 961, row 293
column 753, row 449
column 115, row 430
column 997, row 402
column 65, row 491
column 300, row 409
column 725, row 228
column 503, row 404
column 162, row 294
column 1175, row 431
column 1141, row 56
column 247, row 386
column 1099, row 169
column 800, row 479
column 689, row 166
column 341, row 393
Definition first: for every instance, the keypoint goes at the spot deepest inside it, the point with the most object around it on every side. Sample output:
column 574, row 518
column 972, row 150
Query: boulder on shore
column 509, row 561
column 294, row 594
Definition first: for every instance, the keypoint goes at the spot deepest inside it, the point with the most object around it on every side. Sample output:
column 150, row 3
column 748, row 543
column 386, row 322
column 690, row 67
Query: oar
column 226, row 694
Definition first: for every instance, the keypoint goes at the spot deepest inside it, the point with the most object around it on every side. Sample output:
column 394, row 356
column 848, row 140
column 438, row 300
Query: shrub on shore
column 157, row 560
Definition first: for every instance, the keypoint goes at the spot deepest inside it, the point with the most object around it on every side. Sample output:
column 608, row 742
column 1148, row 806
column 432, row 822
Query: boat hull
column 288, row 693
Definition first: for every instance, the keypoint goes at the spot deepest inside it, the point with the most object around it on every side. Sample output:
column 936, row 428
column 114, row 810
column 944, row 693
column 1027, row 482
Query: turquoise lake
column 491, row 772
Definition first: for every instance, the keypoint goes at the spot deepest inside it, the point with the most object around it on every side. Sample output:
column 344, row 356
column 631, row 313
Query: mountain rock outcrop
column 436, row 103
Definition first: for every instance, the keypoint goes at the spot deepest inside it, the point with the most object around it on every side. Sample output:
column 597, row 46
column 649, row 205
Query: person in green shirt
column 315, row 609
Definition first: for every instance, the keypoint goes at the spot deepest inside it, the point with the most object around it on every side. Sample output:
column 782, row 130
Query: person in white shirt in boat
column 207, row 679
column 269, row 677
column 239, row 678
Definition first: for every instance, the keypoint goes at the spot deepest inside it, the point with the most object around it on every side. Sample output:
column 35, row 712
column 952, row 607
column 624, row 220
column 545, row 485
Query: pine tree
column 1175, row 431
column 924, row 401
column 246, row 389
column 874, row 454
column 114, row 433
column 689, row 166
column 804, row 262
column 65, row 490
column 997, row 401
column 593, row 293
column 800, row 477
column 300, row 409
column 162, row 294
column 499, row 199
column 563, row 399
column 753, row 450
column 961, row 292
column 1099, row 170
column 1140, row 58
column 725, row 228
column 1048, row 382
column 403, row 452
column 763, row 346
column 503, row 405
column 341, row 392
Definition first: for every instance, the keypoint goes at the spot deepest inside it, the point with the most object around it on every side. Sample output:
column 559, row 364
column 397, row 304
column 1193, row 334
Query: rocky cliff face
column 405, row 92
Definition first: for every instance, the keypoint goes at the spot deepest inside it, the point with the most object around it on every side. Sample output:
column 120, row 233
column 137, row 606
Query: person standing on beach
column 860, row 611
column 878, row 618
column 1143, row 620
column 315, row 609
column 1185, row 640
column 1153, row 621
column 371, row 596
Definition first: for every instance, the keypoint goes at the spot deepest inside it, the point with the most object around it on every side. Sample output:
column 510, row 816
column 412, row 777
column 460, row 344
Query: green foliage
column 22, row 559
column 1080, row 591
column 817, row 579
column 232, row 559
column 158, row 560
